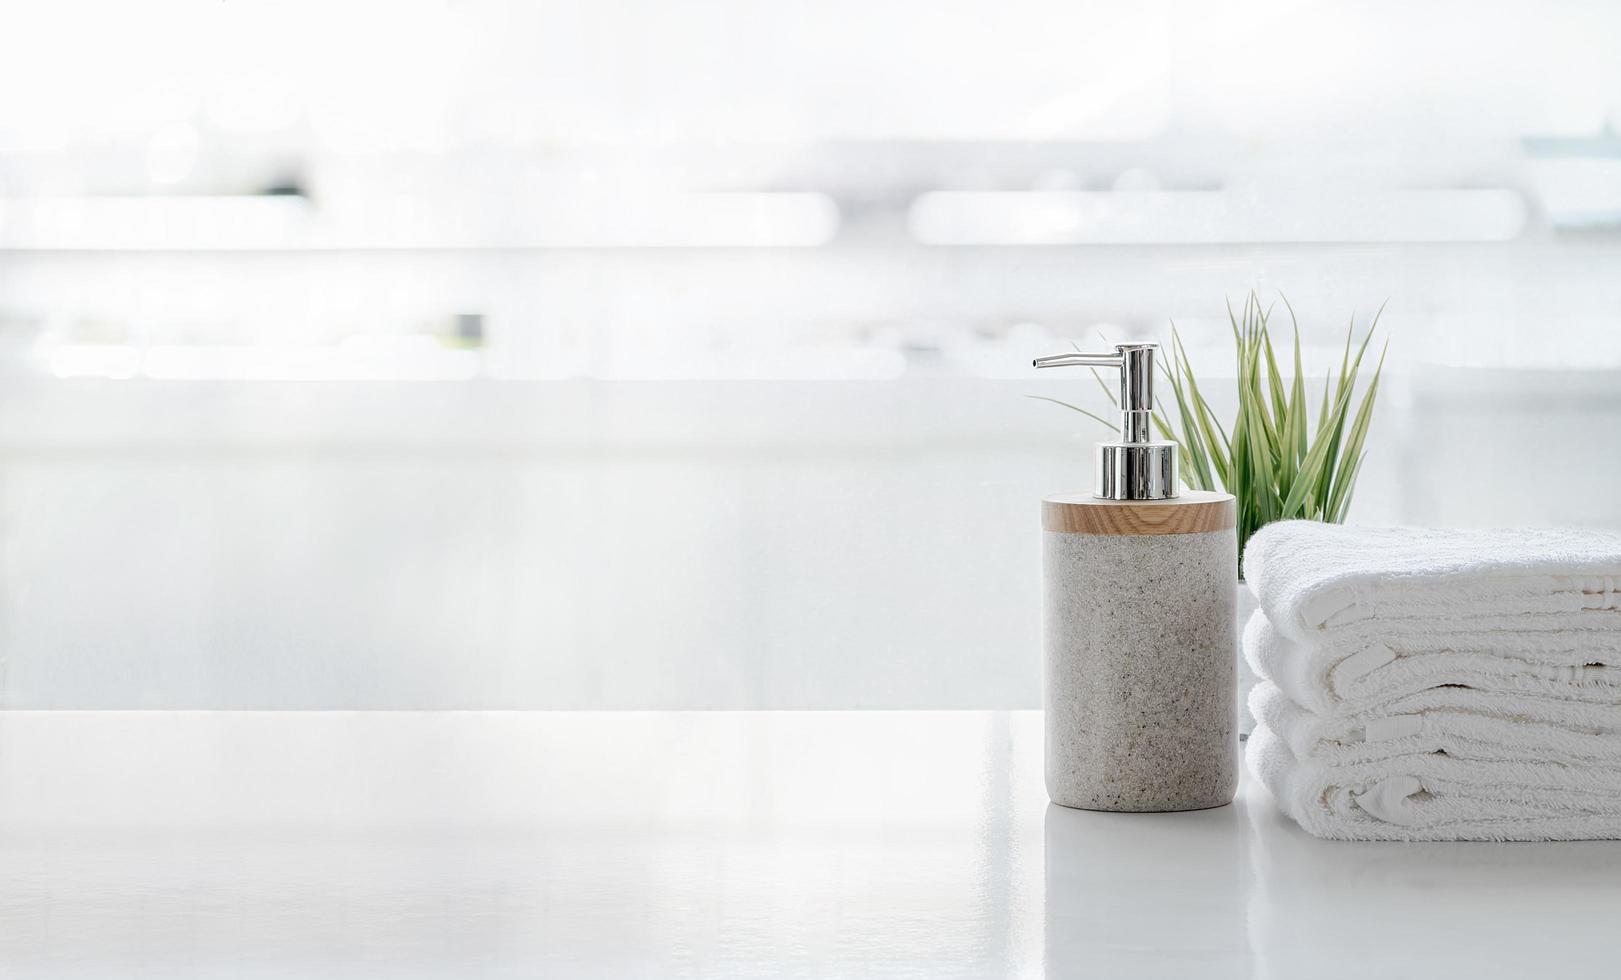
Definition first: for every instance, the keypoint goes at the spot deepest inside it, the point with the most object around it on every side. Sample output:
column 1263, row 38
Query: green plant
column 1273, row 457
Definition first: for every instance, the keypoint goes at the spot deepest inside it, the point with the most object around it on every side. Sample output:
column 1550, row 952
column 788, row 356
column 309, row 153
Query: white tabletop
column 174, row 844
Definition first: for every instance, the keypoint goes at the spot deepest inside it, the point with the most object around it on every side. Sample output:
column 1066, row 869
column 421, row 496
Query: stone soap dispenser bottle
column 1141, row 588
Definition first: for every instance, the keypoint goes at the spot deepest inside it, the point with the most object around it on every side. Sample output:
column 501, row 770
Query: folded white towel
column 1311, row 577
column 1355, row 668
column 1428, row 684
column 1464, row 724
column 1434, row 797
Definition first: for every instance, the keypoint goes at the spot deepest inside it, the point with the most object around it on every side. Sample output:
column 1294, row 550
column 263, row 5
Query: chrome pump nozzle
column 1137, row 467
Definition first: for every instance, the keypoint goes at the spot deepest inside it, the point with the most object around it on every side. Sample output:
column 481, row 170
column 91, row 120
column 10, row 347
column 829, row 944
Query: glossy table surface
column 175, row 844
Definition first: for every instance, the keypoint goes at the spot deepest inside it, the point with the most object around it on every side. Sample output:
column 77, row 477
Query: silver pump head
column 1137, row 467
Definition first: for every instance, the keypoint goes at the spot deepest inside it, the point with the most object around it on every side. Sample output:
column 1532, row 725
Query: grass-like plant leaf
column 1075, row 408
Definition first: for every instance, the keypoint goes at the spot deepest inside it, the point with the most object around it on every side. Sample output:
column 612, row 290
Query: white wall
column 599, row 544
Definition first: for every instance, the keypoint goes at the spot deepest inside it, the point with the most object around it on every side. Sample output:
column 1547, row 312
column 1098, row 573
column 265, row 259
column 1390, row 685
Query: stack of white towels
column 1422, row 684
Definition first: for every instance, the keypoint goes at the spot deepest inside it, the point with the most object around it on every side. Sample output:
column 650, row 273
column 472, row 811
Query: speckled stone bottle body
column 1140, row 674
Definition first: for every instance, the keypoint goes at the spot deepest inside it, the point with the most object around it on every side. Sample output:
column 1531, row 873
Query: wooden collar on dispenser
column 1194, row 512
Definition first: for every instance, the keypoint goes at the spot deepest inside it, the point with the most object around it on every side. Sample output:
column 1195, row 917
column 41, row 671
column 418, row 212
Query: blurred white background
column 667, row 354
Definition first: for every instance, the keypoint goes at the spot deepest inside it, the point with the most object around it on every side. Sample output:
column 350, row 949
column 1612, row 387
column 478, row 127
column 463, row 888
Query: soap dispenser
column 1140, row 597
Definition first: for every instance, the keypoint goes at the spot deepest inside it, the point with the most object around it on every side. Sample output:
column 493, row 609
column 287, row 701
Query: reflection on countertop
column 148, row 844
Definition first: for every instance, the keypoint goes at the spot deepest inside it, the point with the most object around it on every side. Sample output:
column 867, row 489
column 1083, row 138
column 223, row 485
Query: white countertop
column 177, row 844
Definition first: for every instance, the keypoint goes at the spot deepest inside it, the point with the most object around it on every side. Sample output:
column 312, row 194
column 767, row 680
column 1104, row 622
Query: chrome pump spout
column 1136, row 467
